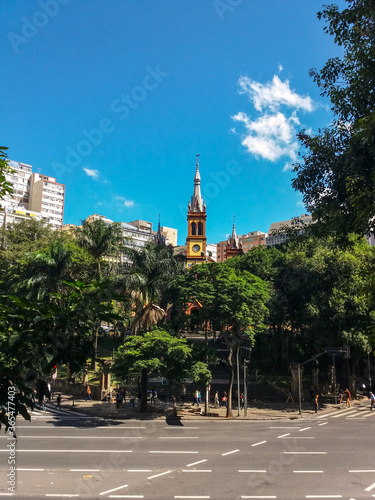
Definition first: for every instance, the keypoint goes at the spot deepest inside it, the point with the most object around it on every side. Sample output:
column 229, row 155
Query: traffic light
column 54, row 372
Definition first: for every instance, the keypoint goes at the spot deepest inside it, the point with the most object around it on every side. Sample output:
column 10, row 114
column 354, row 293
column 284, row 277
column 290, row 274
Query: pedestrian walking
column 183, row 393
column 289, row 397
column 153, row 395
column 348, row 397
column 312, row 392
column 88, row 393
column 196, row 398
column 118, row 399
column 371, row 398
column 58, row 402
column 316, row 404
column 132, row 401
column 217, row 403
column 199, row 397
column 242, row 400
column 224, row 399
column 44, row 401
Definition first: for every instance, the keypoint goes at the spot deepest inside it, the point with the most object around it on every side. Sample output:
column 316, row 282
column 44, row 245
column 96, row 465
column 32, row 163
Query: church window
column 200, row 228
column 193, row 228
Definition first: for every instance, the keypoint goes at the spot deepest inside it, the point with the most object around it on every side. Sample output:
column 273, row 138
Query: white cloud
column 273, row 94
column 126, row 203
column 94, row 174
column 272, row 134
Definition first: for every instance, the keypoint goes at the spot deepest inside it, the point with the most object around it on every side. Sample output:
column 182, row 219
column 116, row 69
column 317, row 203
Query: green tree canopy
column 336, row 175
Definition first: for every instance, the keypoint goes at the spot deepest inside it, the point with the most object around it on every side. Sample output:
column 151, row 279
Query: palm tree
column 42, row 272
column 149, row 275
column 100, row 239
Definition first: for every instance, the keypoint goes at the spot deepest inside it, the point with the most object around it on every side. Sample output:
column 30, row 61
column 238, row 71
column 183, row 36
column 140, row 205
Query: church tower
column 196, row 237
column 234, row 247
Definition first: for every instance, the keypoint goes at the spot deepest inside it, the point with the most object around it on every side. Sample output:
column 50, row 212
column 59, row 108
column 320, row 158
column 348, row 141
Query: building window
column 193, row 228
column 200, row 228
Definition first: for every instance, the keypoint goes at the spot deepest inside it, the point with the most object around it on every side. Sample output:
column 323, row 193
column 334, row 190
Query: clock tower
column 196, row 237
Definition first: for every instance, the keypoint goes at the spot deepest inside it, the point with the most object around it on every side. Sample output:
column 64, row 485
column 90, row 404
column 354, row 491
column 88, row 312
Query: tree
column 153, row 351
column 6, row 187
column 336, row 175
column 100, row 239
column 37, row 334
column 232, row 302
column 149, row 276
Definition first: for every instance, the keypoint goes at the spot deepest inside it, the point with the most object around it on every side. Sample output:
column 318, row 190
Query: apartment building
column 276, row 235
column 34, row 196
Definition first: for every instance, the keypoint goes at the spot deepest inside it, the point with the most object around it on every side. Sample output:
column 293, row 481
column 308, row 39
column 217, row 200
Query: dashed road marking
column 362, row 470
column 161, row 474
column 229, row 452
column 308, row 471
column 283, row 435
column 304, row 429
column 253, row 470
column 161, row 451
column 114, row 489
column 304, row 452
column 323, row 423
column 260, row 442
column 371, row 487
column 196, row 463
column 195, row 470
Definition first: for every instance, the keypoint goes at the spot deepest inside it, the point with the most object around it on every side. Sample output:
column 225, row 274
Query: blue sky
column 115, row 98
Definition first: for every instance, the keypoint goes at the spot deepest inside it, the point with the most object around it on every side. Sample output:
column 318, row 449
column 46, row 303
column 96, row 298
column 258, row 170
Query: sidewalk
column 257, row 410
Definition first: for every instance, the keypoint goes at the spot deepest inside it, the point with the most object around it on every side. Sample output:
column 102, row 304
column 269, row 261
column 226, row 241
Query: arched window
column 200, row 228
column 193, row 228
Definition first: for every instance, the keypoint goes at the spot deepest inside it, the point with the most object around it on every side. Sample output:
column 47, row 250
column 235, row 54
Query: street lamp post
column 238, row 379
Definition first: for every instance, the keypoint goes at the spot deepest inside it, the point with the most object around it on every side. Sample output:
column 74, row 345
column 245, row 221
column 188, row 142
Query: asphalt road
column 64, row 455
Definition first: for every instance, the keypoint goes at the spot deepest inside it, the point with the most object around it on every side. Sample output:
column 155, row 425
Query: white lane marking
column 139, row 470
column 178, row 437
column 368, row 415
column 73, row 451
column 345, row 413
column 229, row 453
column 196, row 463
column 114, row 489
column 156, row 451
column 81, row 437
column 84, row 470
column 258, row 470
column 327, row 414
column 299, row 437
column 60, row 495
column 362, row 470
column 100, row 427
column 245, row 496
column 293, row 428
column 6, row 494
column 324, row 423
column 182, row 496
column 194, row 470
column 31, row 470
column 304, row 452
column 126, row 496
column 323, row 496
column 308, row 471
column 304, row 429
column 371, row 487
column 260, row 442
column 180, row 427
column 161, row 474
column 283, row 435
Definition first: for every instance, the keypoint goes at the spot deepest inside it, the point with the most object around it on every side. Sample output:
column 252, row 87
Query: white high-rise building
column 34, row 195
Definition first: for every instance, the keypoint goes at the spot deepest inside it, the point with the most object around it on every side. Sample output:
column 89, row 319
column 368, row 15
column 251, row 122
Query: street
column 65, row 455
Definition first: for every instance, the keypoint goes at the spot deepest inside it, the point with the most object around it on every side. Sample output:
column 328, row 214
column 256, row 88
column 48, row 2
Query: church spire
column 197, row 204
